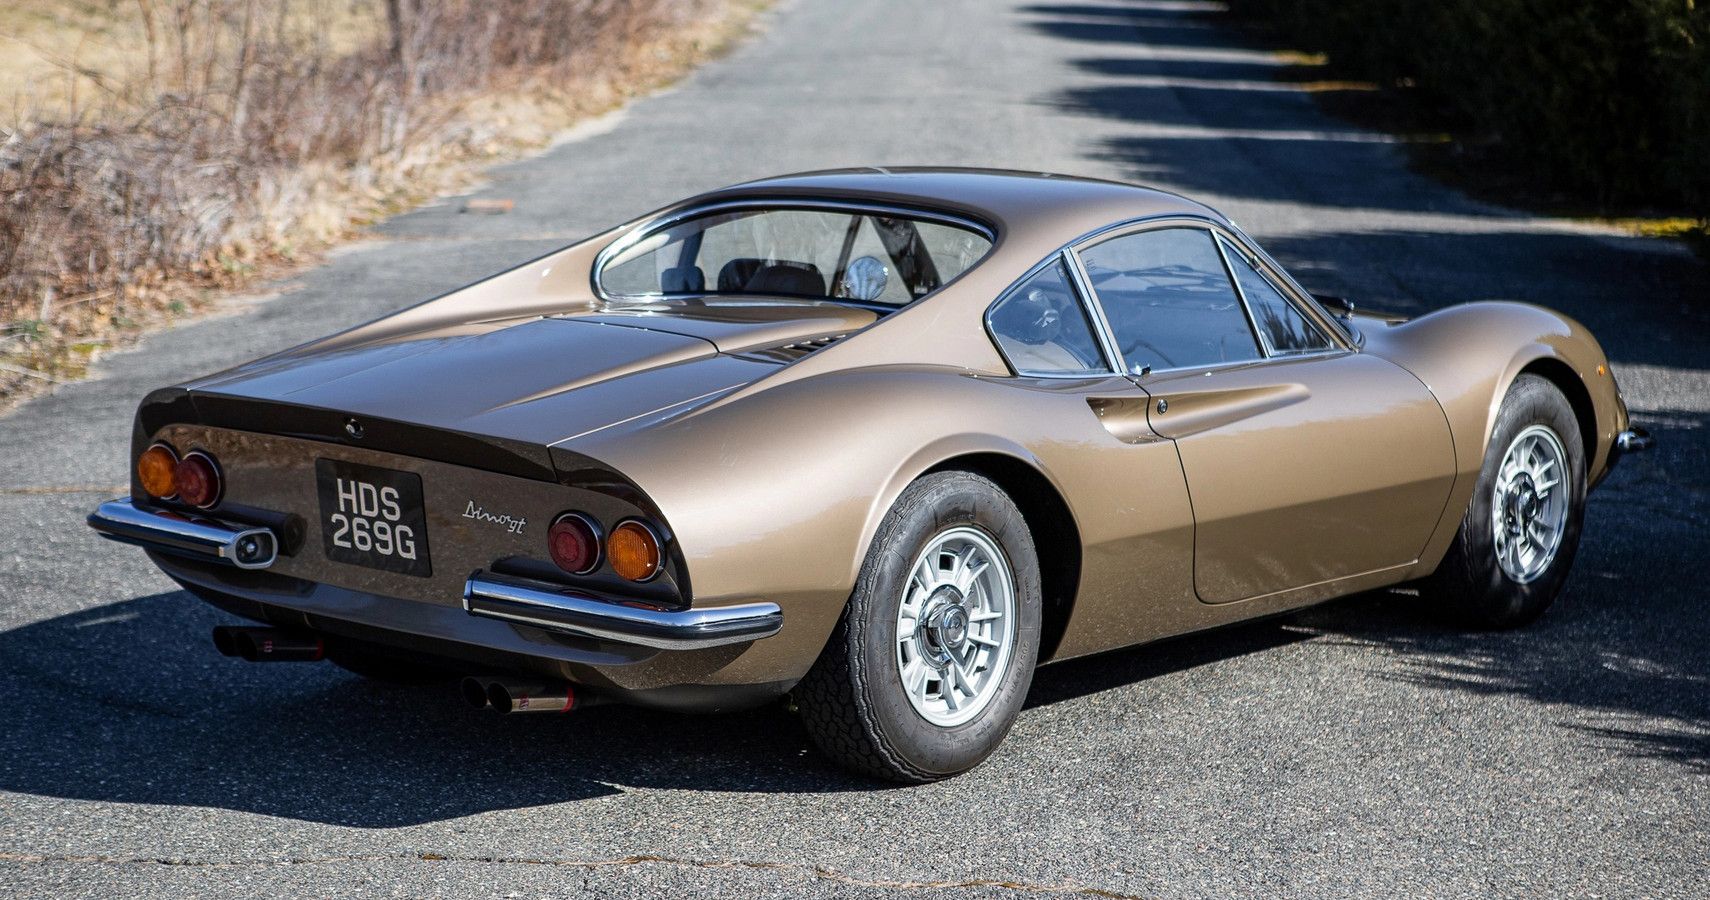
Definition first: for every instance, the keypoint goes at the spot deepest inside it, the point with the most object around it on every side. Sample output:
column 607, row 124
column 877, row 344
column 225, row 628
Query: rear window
column 873, row 258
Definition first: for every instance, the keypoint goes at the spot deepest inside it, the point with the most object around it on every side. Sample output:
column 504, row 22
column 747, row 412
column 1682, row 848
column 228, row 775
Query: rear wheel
column 1517, row 541
column 930, row 664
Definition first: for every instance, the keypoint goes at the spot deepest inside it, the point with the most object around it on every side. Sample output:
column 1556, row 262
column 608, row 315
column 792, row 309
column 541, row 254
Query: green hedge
column 1608, row 97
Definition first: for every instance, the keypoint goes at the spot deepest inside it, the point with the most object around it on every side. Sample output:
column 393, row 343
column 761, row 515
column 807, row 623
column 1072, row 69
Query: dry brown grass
column 233, row 137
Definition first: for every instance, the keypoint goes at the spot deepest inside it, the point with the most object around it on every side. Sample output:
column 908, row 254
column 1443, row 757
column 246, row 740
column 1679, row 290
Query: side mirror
column 1340, row 306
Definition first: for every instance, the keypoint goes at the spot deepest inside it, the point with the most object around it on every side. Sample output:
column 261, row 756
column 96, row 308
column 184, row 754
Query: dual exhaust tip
column 268, row 644
column 258, row 644
column 509, row 696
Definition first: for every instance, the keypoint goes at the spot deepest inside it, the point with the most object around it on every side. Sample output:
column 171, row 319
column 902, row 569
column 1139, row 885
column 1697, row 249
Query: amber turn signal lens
column 198, row 480
column 155, row 471
column 634, row 551
column 573, row 543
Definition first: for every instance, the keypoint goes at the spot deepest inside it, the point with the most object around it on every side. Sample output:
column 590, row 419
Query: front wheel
column 930, row 664
column 1516, row 543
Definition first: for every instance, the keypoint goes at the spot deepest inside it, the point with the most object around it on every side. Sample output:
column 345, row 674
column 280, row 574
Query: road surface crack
column 822, row 873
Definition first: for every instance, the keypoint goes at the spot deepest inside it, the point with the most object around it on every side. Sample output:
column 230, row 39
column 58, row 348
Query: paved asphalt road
column 1356, row 749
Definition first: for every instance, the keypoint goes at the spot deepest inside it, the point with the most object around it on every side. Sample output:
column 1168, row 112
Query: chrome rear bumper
column 247, row 547
column 549, row 606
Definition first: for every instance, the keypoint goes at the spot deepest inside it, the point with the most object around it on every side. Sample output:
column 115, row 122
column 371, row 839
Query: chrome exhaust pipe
column 268, row 644
column 508, row 696
column 474, row 691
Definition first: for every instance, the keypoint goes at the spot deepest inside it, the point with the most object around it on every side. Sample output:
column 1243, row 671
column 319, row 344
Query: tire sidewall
column 1499, row 599
column 927, row 508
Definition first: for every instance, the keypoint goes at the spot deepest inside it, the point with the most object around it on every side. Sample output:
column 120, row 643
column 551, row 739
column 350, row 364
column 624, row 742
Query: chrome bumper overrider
column 560, row 609
column 1633, row 440
column 247, row 547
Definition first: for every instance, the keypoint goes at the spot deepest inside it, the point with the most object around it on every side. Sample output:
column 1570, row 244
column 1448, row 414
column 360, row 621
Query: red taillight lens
column 574, row 543
column 198, row 478
column 634, row 550
column 155, row 471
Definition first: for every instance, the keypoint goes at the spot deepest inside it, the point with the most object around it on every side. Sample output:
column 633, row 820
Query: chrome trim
column 1113, row 364
column 1342, row 338
column 1270, row 360
column 648, row 228
column 1094, row 311
column 1224, row 246
column 1339, row 331
column 175, row 458
column 219, row 477
column 248, row 547
column 525, row 601
column 1227, row 230
column 1218, row 232
column 1259, row 339
column 1634, row 440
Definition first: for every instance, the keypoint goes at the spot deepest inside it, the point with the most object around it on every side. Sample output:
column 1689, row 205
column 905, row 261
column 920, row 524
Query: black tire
column 1470, row 585
column 853, row 703
column 381, row 664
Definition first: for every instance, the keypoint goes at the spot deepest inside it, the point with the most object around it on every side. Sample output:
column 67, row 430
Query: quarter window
column 1042, row 327
column 1169, row 300
column 1284, row 327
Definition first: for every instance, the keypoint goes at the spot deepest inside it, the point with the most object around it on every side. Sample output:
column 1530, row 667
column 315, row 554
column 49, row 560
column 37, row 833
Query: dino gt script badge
column 512, row 524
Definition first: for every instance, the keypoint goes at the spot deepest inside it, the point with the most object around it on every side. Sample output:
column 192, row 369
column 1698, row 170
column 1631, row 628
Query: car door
column 1306, row 460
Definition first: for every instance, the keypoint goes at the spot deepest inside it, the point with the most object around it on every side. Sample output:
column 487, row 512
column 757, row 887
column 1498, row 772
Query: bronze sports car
column 882, row 440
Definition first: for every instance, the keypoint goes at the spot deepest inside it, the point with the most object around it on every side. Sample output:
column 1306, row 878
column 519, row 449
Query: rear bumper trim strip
column 526, row 601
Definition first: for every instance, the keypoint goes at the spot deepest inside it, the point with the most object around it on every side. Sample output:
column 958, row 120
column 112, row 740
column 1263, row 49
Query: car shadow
column 130, row 703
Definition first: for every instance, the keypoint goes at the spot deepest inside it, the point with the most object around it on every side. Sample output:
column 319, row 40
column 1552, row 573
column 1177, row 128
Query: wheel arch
column 1056, row 536
column 1578, row 397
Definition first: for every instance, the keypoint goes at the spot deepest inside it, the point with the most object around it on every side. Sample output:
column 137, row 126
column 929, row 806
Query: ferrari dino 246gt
column 883, row 440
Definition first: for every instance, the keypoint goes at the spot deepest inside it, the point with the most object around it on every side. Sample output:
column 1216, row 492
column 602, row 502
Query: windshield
column 881, row 259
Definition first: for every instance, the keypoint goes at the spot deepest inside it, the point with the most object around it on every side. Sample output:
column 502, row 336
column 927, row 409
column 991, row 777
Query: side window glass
column 1169, row 300
column 1283, row 326
column 1042, row 327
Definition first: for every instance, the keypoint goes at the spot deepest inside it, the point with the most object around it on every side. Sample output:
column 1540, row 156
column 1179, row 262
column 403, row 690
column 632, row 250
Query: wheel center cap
column 944, row 628
column 953, row 625
column 1522, row 503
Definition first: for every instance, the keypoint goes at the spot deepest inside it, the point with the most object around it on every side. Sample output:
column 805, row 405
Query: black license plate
column 372, row 517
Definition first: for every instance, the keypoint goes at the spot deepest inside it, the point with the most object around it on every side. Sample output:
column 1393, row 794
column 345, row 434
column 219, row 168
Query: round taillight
column 574, row 542
column 198, row 479
column 155, row 471
column 634, row 551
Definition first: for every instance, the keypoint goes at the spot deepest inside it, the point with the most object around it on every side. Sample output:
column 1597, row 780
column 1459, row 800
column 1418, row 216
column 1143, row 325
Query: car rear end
column 475, row 552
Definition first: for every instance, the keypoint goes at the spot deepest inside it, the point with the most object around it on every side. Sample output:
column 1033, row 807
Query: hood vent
column 789, row 353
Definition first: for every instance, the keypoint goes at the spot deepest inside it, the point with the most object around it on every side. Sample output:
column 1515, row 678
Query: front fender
column 1469, row 355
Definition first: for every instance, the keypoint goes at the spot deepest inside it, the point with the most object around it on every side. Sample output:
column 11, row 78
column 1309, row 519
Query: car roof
column 1010, row 203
